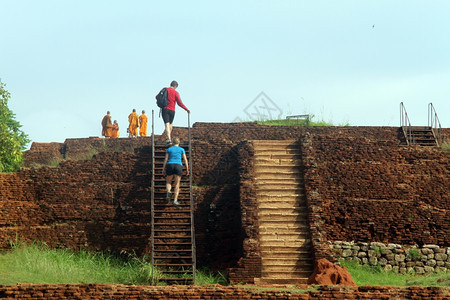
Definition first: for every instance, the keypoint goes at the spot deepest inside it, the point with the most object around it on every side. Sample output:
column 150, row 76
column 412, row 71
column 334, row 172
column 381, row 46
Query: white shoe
column 175, row 202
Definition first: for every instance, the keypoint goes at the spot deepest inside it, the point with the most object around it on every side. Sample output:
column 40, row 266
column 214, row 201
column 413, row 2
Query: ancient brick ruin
column 361, row 184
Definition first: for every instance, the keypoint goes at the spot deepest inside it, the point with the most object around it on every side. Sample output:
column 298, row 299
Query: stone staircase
column 282, row 213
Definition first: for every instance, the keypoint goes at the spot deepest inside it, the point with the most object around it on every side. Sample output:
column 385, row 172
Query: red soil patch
column 327, row 273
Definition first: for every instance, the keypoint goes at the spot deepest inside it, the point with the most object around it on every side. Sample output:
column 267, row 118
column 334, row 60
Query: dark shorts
column 168, row 115
column 174, row 169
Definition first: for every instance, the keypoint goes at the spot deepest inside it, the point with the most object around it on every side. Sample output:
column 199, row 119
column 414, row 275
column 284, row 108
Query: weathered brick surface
column 360, row 189
column 362, row 184
column 107, row 291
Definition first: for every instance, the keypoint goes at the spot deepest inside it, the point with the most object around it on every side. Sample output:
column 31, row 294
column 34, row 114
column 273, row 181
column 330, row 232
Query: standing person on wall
column 168, row 112
column 107, row 125
column 133, row 120
column 173, row 169
column 143, row 124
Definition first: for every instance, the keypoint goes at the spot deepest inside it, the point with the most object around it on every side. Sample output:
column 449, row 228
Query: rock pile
column 395, row 257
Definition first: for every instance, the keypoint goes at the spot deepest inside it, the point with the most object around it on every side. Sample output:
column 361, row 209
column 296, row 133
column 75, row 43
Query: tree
column 12, row 140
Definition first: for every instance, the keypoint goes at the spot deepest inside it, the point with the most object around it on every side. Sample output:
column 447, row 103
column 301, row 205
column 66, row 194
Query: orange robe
column 107, row 126
column 133, row 119
column 143, row 125
column 115, row 131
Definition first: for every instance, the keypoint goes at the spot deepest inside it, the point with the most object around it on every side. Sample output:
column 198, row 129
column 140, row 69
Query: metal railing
column 405, row 124
column 298, row 117
column 435, row 124
column 191, row 202
column 152, row 205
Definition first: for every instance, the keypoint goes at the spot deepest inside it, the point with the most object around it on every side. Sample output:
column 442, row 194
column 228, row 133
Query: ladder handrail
column 191, row 202
column 405, row 123
column 152, row 204
column 433, row 118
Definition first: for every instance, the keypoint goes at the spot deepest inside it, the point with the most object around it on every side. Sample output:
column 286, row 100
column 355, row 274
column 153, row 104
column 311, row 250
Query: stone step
column 283, row 229
column 288, row 217
column 278, row 191
column 281, row 263
column 262, row 211
column 305, row 253
column 285, row 175
column 275, row 142
column 300, row 224
column 281, row 281
column 293, row 182
column 276, row 156
column 275, row 147
column 283, row 237
column 286, row 269
column 261, row 169
column 268, row 161
column 278, row 187
column 286, row 274
column 276, row 200
column 286, row 248
column 270, row 243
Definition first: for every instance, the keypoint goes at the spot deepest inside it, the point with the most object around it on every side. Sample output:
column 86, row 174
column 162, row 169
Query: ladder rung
column 172, row 224
column 178, row 271
column 172, row 265
column 175, row 279
column 172, row 257
column 172, row 244
column 173, row 250
column 171, row 237
column 172, row 230
column 172, row 211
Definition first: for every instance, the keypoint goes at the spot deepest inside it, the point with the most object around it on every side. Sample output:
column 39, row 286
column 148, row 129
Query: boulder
column 327, row 273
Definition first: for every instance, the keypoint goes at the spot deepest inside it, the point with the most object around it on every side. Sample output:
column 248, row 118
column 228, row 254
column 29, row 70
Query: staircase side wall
column 249, row 265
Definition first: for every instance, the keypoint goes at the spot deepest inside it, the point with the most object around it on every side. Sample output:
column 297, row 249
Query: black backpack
column 161, row 99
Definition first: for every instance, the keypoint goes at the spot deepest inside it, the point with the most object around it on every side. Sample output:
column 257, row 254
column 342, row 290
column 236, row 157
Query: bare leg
column 168, row 130
column 176, row 187
column 169, row 179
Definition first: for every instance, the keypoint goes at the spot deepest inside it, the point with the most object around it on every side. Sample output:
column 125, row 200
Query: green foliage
column 376, row 276
column 300, row 122
column 446, row 146
column 12, row 140
column 205, row 276
column 38, row 263
column 413, row 254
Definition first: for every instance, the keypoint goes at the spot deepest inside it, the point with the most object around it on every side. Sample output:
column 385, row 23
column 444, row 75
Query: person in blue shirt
column 173, row 169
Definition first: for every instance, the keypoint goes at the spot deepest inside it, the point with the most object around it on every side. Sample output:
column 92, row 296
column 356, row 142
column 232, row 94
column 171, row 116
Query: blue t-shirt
column 175, row 155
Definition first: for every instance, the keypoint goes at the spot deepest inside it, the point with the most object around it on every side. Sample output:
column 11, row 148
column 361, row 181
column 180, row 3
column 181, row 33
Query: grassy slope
column 37, row 263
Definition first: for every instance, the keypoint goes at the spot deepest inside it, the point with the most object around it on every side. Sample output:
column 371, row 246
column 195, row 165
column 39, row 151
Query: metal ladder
column 430, row 135
column 173, row 235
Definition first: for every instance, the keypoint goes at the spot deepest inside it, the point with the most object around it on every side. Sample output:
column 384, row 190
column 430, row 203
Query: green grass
column 300, row 122
column 376, row 276
column 38, row 263
column 446, row 146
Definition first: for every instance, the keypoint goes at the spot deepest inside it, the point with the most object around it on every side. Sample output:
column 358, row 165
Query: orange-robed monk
column 133, row 119
column 107, row 125
column 143, row 124
column 115, row 130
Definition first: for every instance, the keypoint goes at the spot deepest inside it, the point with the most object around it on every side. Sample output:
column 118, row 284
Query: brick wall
column 362, row 184
column 359, row 189
column 106, row 291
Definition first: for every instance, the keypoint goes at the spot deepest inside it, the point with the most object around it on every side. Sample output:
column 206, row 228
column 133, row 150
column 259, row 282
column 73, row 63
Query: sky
column 66, row 62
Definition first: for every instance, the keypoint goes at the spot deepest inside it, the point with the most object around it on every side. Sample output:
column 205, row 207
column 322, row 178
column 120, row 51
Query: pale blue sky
column 67, row 62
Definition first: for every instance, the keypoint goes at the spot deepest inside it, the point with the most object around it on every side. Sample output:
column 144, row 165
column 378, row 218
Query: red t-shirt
column 174, row 97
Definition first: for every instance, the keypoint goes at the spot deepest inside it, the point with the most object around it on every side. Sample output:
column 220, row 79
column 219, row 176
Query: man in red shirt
column 168, row 112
